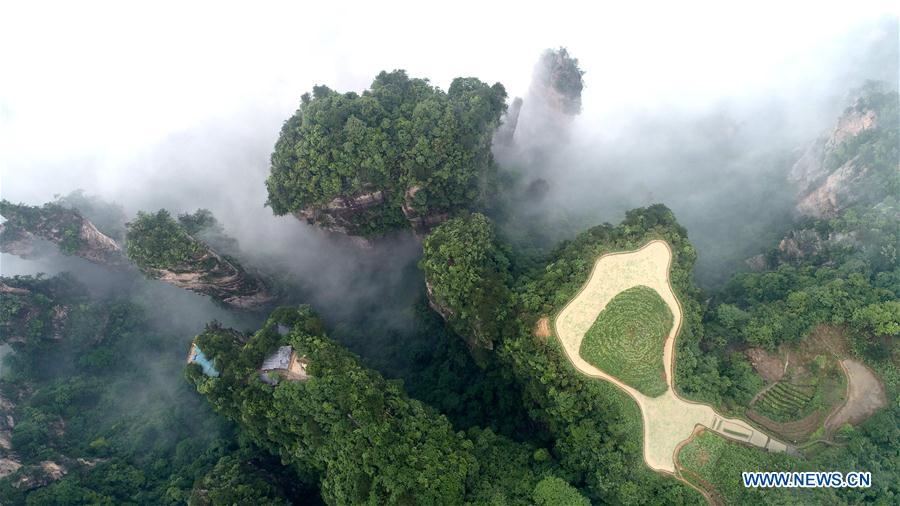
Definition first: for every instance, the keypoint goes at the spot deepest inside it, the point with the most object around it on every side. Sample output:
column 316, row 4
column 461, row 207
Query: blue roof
column 198, row 357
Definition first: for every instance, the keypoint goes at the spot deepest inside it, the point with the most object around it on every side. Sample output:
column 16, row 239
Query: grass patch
column 719, row 462
column 628, row 337
column 735, row 433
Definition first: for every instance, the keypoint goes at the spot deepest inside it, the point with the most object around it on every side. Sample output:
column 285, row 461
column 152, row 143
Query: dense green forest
column 89, row 387
column 367, row 439
column 417, row 151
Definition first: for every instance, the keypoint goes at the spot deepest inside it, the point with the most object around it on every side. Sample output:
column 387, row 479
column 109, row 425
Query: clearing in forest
column 819, row 390
column 668, row 420
column 627, row 339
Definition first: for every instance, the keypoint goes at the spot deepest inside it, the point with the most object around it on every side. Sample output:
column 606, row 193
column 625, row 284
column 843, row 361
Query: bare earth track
column 865, row 396
column 668, row 419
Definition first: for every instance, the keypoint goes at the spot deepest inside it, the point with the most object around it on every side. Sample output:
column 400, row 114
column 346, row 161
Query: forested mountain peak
column 164, row 248
column 403, row 154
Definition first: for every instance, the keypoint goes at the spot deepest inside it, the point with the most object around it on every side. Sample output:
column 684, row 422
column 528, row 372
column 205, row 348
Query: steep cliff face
column 847, row 165
column 163, row 249
column 467, row 280
column 543, row 118
column 343, row 215
column 66, row 228
column 805, row 244
column 212, row 275
column 847, row 186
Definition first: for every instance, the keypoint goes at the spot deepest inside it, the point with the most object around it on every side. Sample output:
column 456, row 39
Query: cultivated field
column 715, row 464
column 785, row 401
column 628, row 337
column 668, row 420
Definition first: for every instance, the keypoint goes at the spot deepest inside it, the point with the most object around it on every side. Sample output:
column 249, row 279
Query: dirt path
column 668, row 419
column 865, row 395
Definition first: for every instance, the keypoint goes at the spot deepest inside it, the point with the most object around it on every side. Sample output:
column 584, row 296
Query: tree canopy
column 158, row 241
column 422, row 148
column 368, row 439
column 468, row 275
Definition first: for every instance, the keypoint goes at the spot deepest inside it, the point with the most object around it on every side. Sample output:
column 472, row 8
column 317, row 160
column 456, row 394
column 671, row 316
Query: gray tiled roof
column 281, row 359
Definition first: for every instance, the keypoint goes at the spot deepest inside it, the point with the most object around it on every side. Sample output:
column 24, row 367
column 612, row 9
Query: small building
column 286, row 363
column 196, row 356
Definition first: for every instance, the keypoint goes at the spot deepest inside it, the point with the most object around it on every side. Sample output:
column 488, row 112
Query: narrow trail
column 669, row 420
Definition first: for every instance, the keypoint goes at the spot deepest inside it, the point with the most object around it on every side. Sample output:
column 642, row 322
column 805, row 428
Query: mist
column 177, row 107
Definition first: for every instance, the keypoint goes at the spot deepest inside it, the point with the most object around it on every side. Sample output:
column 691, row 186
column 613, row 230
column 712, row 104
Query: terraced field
column 785, row 401
column 628, row 337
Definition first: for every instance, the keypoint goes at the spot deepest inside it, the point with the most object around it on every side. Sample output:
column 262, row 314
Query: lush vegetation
column 852, row 286
column 94, row 387
column 92, row 382
column 785, row 401
column 718, row 463
column 157, row 241
column 203, row 225
column 51, row 221
column 400, row 134
column 876, row 148
column 468, row 276
column 368, row 440
column 628, row 337
column 595, row 427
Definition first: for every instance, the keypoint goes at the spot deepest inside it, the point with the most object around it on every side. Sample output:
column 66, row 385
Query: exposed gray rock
column 64, row 227
column 823, row 191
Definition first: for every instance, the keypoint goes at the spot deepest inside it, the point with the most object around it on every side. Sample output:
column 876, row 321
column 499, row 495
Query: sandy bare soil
column 865, row 396
column 542, row 329
column 668, row 419
column 770, row 367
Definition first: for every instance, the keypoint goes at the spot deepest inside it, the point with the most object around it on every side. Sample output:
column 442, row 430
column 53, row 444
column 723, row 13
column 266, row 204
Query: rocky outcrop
column 557, row 82
column 66, row 228
column 12, row 290
column 509, row 122
column 542, row 119
column 164, row 248
column 439, row 307
column 475, row 338
column 348, row 215
column 802, row 245
column 338, row 215
column 39, row 475
column 826, row 185
column 217, row 277
column 806, row 243
column 421, row 223
column 9, row 463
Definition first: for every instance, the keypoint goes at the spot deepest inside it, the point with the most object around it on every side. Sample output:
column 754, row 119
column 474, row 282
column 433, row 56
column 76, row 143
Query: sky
column 100, row 81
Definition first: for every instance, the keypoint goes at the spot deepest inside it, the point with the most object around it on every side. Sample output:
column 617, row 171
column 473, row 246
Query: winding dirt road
column 668, row 419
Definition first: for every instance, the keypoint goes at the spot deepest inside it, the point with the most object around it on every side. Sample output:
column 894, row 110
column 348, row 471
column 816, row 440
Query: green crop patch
column 628, row 337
